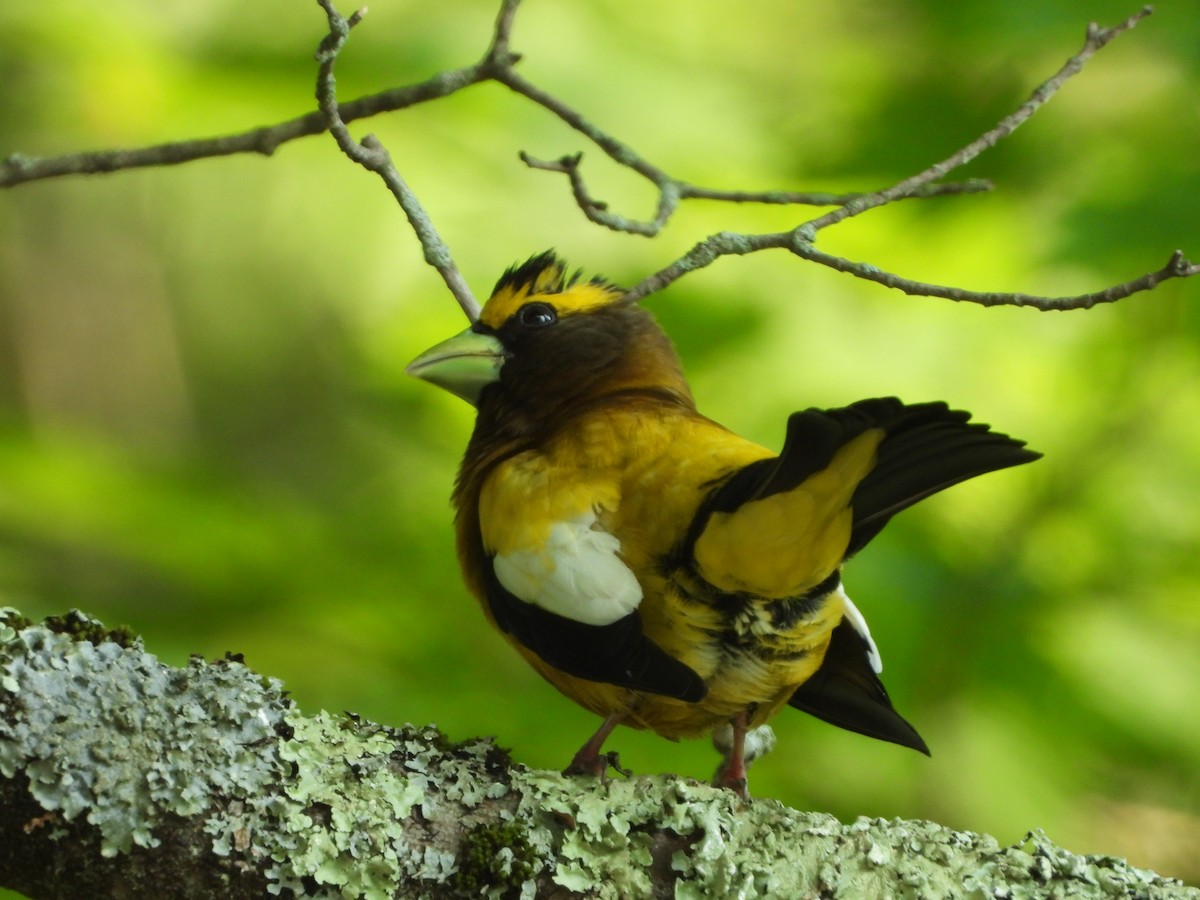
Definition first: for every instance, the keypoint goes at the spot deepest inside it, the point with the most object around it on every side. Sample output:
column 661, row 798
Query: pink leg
column 732, row 773
column 589, row 760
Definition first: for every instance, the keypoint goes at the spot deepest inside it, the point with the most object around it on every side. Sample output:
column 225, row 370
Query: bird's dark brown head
column 548, row 343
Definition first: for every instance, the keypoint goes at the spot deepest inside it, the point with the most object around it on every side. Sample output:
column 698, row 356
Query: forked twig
column 800, row 240
column 498, row 64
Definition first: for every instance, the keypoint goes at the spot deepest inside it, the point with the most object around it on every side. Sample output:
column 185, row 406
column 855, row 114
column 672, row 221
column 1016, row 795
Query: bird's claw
column 596, row 764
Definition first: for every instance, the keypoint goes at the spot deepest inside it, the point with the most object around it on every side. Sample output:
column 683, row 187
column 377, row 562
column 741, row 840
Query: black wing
column 617, row 653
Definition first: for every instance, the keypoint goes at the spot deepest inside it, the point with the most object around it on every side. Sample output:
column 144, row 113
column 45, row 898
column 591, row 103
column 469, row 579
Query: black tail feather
column 846, row 692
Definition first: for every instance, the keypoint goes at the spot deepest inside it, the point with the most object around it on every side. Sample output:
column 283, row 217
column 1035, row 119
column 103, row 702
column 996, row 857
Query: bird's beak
column 464, row 365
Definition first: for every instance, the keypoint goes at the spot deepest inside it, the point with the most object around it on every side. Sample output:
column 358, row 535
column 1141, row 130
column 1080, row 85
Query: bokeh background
column 206, row 432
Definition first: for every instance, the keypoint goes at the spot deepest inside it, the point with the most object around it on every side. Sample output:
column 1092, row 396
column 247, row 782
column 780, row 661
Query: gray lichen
column 332, row 806
column 105, row 731
column 726, row 848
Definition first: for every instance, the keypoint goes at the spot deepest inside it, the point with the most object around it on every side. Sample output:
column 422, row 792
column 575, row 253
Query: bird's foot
column 740, row 747
column 734, row 779
column 589, row 760
column 596, row 764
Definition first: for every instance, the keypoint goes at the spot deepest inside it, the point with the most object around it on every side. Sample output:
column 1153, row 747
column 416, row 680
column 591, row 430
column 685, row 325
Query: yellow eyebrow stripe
column 579, row 298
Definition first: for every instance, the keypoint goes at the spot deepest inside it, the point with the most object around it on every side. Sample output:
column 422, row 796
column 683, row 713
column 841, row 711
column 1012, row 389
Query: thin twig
column 498, row 65
column 816, row 198
column 620, row 152
column 373, row 156
column 19, row 168
column 1097, row 39
column 499, row 54
column 597, row 210
column 672, row 192
column 1177, row 267
column 800, row 240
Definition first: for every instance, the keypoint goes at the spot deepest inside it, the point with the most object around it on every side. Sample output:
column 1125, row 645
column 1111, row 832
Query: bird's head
column 546, row 340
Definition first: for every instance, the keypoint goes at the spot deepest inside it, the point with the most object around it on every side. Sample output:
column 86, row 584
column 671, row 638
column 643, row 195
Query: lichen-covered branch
column 121, row 776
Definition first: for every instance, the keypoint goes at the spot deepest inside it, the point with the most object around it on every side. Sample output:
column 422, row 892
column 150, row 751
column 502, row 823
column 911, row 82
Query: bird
column 653, row 566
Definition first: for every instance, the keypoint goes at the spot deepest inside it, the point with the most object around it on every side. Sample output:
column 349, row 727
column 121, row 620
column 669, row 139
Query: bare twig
column 800, row 240
column 498, row 53
column 373, row 156
column 727, row 243
column 672, row 191
column 498, row 64
column 1177, row 267
column 817, row 198
column 19, row 168
column 597, row 210
column 1097, row 38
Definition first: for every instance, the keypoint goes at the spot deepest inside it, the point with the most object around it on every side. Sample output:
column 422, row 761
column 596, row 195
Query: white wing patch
column 859, row 624
column 578, row 573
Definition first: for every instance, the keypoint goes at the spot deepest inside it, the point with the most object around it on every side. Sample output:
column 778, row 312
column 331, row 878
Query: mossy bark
column 122, row 777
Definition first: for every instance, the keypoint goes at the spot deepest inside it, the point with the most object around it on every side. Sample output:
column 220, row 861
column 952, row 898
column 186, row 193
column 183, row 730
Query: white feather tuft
column 578, row 573
column 856, row 620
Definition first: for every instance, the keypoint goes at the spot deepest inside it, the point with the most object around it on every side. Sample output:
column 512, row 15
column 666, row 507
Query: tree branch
column 728, row 243
column 672, row 192
column 800, row 240
column 19, row 168
column 373, row 156
column 498, row 64
column 1097, row 38
column 1177, row 267
column 120, row 776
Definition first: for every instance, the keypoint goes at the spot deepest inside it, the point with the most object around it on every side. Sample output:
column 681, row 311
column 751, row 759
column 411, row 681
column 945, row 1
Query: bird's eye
column 537, row 315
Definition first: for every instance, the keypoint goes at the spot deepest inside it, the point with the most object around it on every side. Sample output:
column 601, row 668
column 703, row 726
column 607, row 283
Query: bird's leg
column 589, row 760
column 732, row 772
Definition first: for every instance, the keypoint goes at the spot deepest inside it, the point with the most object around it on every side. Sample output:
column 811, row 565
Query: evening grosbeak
column 654, row 567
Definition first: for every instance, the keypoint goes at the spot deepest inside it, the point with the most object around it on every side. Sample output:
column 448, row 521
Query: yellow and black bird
column 650, row 564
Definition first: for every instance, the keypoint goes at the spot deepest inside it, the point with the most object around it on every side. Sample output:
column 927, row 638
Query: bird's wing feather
column 842, row 474
column 617, row 653
column 557, row 583
column 779, row 526
column 929, row 448
column 576, row 572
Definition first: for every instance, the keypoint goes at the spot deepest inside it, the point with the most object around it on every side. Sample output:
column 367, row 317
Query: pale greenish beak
column 463, row 365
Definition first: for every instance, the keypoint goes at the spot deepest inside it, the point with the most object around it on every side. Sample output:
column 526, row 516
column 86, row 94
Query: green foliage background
column 206, row 433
